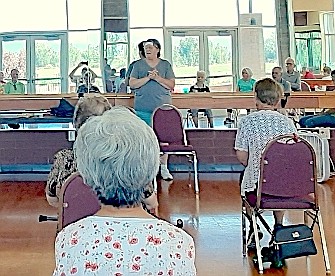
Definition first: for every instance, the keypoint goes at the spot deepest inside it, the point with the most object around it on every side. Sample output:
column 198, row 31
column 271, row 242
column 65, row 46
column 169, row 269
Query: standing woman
column 153, row 79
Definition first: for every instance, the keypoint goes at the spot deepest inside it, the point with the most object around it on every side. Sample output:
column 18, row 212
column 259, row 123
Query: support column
column 285, row 49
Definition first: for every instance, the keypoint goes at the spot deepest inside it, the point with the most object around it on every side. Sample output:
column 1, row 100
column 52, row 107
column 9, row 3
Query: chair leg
column 195, row 166
column 323, row 243
column 189, row 120
column 305, row 217
column 244, row 231
column 258, row 246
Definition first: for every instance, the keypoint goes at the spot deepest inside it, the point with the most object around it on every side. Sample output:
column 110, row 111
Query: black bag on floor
column 294, row 241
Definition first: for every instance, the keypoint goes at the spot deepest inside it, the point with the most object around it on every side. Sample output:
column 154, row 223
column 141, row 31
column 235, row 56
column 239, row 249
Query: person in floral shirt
column 117, row 155
column 64, row 165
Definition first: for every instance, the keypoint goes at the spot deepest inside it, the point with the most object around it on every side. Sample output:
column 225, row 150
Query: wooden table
column 214, row 100
column 318, row 82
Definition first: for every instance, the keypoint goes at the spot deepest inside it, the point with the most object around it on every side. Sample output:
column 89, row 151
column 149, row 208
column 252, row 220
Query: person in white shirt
column 256, row 130
column 326, row 76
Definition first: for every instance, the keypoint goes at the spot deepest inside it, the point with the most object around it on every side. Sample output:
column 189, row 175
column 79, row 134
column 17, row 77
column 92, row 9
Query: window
column 270, row 49
column 329, row 43
column 117, row 50
column 33, row 15
column 83, row 15
column 209, row 13
column 85, row 46
column 267, row 9
column 145, row 13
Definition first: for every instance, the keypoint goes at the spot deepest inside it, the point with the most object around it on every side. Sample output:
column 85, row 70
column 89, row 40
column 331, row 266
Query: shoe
column 269, row 257
column 278, row 264
column 166, row 175
column 251, row 242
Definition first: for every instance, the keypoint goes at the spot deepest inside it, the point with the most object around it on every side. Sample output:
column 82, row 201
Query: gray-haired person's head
column 118, row 156
column 92, row 104
column 268, row 91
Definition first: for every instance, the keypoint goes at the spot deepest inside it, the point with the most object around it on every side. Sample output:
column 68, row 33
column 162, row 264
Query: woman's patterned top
column 254, row 132
column 123, row 246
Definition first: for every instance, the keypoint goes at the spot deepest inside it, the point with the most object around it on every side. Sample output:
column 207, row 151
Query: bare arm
column 71, row 75
column 242, row 157
column 94, row 75
column 137, row 83
column 167, row 83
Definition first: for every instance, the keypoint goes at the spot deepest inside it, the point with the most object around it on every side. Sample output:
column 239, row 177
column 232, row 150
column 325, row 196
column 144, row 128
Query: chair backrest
column 288, row 167
column 305, row 86
column 77, row 200
column 167, row 122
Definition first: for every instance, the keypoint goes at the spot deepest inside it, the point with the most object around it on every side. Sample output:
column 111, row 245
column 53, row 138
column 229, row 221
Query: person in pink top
column 306, row 73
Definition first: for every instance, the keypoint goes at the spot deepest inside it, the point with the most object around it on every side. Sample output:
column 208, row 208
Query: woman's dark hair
column 156, row 43
column 123, row 73
column 141, row 48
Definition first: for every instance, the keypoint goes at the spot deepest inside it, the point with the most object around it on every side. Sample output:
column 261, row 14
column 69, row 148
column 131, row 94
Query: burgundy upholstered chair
column 305, row 86
column 77, row 200
column 288, row 181
column 168, row 125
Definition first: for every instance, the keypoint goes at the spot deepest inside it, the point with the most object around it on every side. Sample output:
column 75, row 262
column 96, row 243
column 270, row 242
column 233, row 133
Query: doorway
column 309, row 50
column 210, row 50
column 38, row 57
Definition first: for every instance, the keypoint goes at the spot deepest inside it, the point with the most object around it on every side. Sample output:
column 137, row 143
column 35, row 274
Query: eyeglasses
column 14, row 86
column 289, row 63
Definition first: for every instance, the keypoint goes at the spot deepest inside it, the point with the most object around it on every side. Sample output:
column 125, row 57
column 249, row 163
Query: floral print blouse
column 123, row 246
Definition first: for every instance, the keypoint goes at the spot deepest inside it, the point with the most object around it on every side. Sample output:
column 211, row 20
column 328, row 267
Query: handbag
column 64, row 109
column 294, row 241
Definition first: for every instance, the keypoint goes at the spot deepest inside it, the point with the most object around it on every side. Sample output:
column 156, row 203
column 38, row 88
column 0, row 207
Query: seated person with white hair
column 64, row 161
column 117, row 155
column 200, row 86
